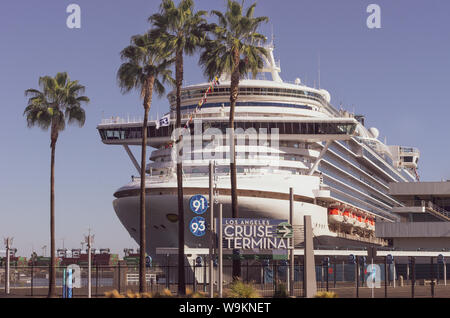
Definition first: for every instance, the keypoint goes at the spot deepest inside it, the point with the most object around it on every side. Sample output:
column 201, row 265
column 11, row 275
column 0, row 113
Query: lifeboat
column 366, row 223
column 335, row 216
column 347, row 217
column 371, row 224
column 359, row 222
column 353, row 219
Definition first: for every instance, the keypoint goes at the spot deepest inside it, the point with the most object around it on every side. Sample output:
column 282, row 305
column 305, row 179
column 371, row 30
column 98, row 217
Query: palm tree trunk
column 234, row 91
column 52, row 274
column 143, row 227
column 181, row 270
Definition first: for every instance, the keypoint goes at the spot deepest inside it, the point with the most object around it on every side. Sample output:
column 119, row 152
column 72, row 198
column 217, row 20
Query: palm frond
column 58, row 97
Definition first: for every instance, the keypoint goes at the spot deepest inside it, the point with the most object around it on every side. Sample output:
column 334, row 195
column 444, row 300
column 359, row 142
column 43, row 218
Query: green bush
column 326, row 294
column 281, row 291
column 241, row 290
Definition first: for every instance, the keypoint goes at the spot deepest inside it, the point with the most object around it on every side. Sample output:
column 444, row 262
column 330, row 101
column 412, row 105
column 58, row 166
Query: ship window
column 408, row 159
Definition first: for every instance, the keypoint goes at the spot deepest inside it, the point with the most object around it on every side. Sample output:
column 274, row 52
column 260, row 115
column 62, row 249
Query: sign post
column 220, row 243
column 211, row 230
column 291, row 251
column 199, row 205
column 69, row 283
column 64, row 287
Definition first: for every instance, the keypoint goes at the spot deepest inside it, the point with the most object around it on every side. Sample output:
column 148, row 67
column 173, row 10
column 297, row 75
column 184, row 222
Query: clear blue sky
column 397, row 76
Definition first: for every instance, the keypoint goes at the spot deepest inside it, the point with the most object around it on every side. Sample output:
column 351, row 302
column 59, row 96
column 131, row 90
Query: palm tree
column 58, row 101
column 179, row 30
column 233, row 51
column 145, row 68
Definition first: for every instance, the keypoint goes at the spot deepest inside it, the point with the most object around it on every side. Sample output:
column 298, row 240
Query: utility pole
column 291, row 251
column 8, row 243
column 89, row 241
column 211, row 229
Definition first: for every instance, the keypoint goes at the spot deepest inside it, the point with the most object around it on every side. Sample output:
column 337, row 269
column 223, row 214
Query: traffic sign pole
column 211, row 229
column 445, row 273
column 220, row 243
column 386, row 275
column 291, row 250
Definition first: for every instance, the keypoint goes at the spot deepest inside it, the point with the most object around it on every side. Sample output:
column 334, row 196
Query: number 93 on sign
column 198, row 226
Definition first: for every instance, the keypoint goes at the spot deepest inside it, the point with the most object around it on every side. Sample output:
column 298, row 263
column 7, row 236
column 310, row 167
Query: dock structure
column 424, row 216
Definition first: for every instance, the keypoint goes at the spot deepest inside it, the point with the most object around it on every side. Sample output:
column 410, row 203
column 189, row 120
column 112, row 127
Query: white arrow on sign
column 285, row 231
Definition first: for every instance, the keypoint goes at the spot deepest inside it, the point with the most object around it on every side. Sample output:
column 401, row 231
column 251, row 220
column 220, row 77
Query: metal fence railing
column 268, row 278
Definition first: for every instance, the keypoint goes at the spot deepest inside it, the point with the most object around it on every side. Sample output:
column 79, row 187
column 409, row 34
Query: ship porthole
column 172, row 217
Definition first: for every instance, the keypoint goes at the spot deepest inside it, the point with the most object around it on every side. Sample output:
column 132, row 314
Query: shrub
column 113, row 294
column 281, row 291
column 241, row 290
column 325, row 294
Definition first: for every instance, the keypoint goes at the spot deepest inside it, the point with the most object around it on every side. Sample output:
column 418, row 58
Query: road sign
column 198, row 226
column 199, row 204
column 362, row 260
column 261, row 234
column 351, row 259
column 148, row 261
column 390, row 259
column 284, row 230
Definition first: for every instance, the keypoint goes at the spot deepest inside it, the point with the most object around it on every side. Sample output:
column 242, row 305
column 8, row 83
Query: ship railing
column 171, row 177
column 120, row 120
column 427, row 205
column 409, row 150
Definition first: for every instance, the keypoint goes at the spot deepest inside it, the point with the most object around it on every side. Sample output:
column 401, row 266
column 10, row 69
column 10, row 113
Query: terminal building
column 424, row 217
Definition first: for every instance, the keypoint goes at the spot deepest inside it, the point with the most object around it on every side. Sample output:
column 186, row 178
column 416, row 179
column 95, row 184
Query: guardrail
column 428, row 205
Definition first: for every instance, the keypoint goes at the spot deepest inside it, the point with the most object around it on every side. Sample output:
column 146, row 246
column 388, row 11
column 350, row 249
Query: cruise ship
column 339, row 169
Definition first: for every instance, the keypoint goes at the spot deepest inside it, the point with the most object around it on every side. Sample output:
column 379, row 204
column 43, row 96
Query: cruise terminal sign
column 256, row 234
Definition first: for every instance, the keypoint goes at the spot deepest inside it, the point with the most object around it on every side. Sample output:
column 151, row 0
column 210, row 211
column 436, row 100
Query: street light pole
column 8, row 243
column 89, row 241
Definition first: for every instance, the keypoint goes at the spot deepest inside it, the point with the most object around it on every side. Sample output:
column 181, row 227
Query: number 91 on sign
column 198, row 226
column 199, row 204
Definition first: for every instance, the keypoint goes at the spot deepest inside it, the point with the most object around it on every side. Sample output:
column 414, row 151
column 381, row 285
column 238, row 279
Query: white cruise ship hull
column 256, row 200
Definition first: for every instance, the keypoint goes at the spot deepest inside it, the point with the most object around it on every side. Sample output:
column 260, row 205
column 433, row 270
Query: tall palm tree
column 234, row 51
column 58, row 101
column 179, row 30
column 145, row 68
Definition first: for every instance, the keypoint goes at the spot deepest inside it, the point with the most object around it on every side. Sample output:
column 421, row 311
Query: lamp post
column 89, row 241
column 8, row 243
